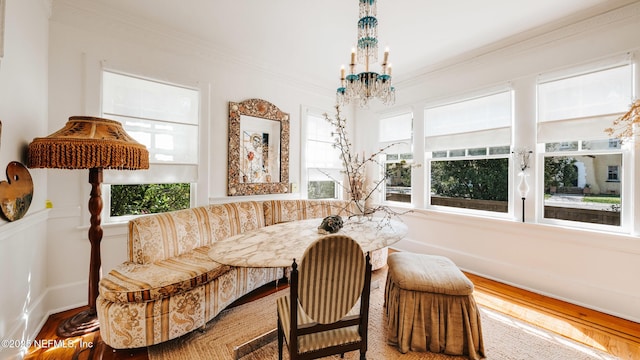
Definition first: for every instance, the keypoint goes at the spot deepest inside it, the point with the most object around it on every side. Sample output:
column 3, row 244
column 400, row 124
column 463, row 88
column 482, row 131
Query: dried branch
column 623, row 126
column 358, row 190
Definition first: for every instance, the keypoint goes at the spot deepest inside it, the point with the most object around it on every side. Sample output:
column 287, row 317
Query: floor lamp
column 95, row 144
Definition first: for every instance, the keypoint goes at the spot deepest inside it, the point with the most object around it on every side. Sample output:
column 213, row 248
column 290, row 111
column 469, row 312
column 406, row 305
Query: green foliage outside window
column 398, row 181
column 321, row 190
column 560, row 171
column 149, row 198
column 482, row 179
column 398, row 174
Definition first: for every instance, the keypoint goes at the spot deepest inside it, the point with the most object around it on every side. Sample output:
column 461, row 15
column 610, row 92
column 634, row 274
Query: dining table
column 278, row 245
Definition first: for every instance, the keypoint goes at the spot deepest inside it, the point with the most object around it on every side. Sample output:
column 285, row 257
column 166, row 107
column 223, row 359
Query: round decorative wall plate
column 17, row 192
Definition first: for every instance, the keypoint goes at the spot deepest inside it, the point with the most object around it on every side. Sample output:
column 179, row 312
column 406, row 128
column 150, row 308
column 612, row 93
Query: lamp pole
column 87, row 320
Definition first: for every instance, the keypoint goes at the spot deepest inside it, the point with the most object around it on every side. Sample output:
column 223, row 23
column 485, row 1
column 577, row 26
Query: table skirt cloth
column 431, row 321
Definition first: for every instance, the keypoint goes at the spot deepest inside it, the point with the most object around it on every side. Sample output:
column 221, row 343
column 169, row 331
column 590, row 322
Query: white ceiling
column 309, row 40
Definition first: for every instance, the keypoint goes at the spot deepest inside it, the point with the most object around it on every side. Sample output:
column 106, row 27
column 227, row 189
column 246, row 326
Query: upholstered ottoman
column 430, row 306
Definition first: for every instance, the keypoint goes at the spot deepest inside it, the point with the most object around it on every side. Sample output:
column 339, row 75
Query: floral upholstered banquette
column 170, row 286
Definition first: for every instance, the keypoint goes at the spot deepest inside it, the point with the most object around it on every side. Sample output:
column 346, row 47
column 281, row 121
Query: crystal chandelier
column 367, row 84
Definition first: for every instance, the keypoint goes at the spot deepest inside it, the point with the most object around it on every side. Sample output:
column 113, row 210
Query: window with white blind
column 323, row 164
column 165, row 118
column 584, row 170
column 395, row 134
column 467, row 146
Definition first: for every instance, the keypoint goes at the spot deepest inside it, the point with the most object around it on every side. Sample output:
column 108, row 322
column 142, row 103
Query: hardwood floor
column 616, row 336
column 611, row 334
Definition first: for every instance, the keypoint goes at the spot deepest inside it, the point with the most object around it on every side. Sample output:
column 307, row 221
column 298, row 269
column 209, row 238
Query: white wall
column 23, row 112
column 595, row 269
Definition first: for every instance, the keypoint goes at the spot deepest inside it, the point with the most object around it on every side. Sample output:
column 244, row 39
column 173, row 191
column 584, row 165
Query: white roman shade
column 474, row 139
column 580, row 107
column 164, row 118
column 322, row 159
column 589, row 128
column 320, row 151
column 479, row 122
column 396, row 130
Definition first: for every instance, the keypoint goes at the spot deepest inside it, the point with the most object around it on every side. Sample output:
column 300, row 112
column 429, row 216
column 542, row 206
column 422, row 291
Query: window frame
column 625, row 208
column 305, row 175
column 613, row 173
column 120, row 178
column 587, row 129
column 410, row 162
column 476, row 212
column 406, row 147
column 462, row 153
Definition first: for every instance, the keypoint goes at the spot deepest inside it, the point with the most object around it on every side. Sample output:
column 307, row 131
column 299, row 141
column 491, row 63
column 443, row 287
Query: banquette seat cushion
column 131, row 282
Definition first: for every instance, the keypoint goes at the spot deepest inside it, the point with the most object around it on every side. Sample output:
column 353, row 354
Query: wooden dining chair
column 319, row 317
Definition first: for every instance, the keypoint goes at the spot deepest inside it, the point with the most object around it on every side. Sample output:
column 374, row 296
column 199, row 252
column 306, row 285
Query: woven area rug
column 505, row 338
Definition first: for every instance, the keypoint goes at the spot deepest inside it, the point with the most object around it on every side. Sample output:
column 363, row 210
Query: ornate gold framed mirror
column 258, row 148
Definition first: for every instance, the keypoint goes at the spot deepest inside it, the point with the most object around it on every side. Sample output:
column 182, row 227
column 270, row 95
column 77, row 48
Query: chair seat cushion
column 428, row 273
column 315, row 341
column 131, row 282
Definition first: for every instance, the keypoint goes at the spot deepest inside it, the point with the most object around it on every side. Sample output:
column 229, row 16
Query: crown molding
column 527, row 41
column 97, row 17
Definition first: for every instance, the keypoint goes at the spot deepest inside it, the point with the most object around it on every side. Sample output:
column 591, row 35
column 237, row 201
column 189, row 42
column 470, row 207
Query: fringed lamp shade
column 88, row 142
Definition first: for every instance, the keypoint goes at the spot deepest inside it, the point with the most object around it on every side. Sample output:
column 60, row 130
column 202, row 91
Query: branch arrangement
column 359, row 191
column 523, row 157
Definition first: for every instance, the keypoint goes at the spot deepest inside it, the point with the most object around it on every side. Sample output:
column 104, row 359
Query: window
column 396, row 135
column 468, row 149
column 582, row 167
column 164, row 118
column 322, row 163
column 613, row 173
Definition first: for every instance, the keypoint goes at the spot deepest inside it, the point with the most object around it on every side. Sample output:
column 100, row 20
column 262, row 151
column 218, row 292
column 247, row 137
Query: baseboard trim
column 488, row 268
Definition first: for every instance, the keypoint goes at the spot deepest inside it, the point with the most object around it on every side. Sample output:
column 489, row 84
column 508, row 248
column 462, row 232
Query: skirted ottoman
column 430, row 306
